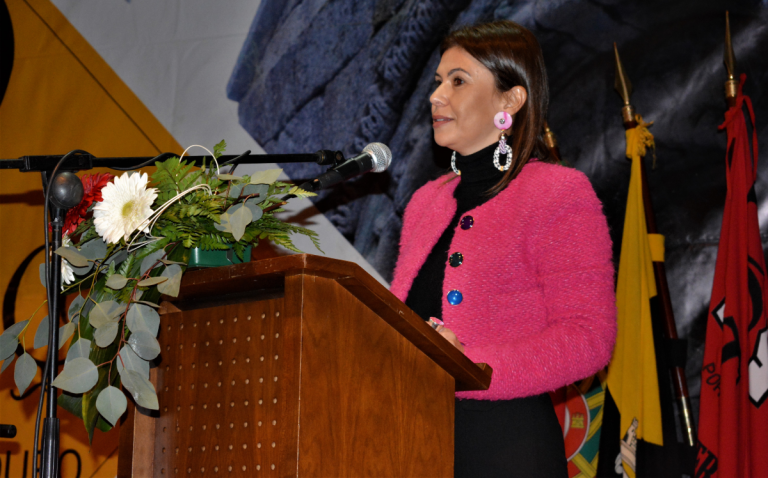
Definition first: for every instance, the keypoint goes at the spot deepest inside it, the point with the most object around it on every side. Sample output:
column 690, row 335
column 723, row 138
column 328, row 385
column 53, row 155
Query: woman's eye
column 458, row 82
column 436, row 85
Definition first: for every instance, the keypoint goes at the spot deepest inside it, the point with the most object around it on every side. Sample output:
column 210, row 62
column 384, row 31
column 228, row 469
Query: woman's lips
column 440, row 121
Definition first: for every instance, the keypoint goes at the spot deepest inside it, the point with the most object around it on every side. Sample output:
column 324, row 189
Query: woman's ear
column 514, row 99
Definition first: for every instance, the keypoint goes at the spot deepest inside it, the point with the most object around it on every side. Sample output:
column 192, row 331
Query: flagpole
column 731, row 84
column 551, row 141
column 680, row 384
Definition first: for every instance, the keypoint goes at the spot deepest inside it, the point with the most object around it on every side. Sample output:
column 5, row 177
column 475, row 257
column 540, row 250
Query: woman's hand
column 450, row 337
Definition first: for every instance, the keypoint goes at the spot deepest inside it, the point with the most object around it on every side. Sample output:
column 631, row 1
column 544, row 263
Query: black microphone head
column 66, row 190
column 381, row 155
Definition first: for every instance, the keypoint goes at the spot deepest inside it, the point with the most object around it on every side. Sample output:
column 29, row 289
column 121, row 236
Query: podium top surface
column 266, row 278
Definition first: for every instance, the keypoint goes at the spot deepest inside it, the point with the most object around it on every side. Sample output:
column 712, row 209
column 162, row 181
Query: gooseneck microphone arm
column 375, row 157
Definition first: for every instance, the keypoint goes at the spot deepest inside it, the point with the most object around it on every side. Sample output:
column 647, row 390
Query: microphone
column 375, row 158
column 66, row 190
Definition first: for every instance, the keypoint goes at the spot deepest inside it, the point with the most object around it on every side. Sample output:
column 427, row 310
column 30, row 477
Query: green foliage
column 219, row 149
column 114, row 323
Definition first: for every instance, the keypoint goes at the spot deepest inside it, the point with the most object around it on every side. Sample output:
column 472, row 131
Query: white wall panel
column 177, row 56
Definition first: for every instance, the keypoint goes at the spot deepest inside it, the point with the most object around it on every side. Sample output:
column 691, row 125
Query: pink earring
column 503, row 121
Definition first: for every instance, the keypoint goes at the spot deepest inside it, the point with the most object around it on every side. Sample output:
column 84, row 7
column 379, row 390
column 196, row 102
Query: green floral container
column 201, row 258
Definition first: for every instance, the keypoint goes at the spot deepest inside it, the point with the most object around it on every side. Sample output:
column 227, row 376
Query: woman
column 511, row 252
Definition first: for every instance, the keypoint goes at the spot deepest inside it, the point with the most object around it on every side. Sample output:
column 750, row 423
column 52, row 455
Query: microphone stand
column 51, row 432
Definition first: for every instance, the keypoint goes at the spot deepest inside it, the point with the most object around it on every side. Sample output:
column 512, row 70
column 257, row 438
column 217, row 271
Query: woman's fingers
column 450, row 337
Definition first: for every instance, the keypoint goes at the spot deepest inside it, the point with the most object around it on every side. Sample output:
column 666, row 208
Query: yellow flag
column 632, row 378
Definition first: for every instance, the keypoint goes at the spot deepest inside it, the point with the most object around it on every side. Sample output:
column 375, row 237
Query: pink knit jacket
column 537, row 278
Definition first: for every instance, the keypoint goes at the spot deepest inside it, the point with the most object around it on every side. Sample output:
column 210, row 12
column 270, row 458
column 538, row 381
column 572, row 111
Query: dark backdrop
column 339, row 74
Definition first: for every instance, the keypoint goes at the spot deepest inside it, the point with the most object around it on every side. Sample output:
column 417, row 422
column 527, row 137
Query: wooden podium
column 297, row 366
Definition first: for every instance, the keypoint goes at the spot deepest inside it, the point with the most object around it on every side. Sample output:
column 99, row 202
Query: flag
column 632, row 377
column 733, row 416
column 579, row 408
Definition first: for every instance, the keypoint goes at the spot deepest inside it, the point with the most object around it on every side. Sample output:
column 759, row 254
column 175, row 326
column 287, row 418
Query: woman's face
column 464, row 103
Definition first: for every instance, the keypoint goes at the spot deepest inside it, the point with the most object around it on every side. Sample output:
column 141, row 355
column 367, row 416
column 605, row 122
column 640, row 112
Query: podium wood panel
column 297, row 366
column 390, row 401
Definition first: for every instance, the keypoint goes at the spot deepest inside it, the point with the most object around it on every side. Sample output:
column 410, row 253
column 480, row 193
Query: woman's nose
column 438, row 98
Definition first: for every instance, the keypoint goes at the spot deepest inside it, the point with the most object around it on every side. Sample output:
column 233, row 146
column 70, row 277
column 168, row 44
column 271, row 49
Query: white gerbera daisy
column 67, row 273
column 125, row 207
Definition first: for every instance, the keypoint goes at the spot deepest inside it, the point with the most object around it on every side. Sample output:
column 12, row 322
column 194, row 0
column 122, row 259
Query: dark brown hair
column 513, row 55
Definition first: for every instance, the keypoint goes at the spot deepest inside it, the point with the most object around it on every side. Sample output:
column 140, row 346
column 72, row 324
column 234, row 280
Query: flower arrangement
column 126, row 244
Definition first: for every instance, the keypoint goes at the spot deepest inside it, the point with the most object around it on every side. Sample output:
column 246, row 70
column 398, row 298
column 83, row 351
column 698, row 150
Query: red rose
column 92, row 186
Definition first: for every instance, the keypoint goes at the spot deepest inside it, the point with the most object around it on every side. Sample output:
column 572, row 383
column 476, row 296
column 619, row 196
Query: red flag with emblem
column 733, row 416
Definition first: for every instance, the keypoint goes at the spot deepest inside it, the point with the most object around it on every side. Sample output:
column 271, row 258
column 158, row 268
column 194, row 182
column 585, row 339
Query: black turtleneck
column 478, row 175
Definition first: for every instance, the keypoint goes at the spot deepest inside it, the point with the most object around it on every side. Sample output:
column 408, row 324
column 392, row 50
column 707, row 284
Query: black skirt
column 509, row 438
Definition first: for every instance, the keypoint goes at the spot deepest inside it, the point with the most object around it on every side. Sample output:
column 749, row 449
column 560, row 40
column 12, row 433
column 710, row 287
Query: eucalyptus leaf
column 73, row 256
column 150, row 262
column 141, row 389
column 111, row 403
column 42, row 275
column 266, row 177
column 75, row 306
column 41, row 336
column 239, row 220
column 146, row 302
column 256, row 211
column 105, row 335
column 235, row 190
column 116, row 281
column 172, row 285
column 128, row 360
column 224, row 223
column 8, row 345
column 82, row 270
column 228, row 177
column 106, row 376
column 143, row 317
column 168, row 263
column 95, row 249
column 26, row 368
column 144, row 344
column 78, row 349
column 79, row 376
column 105, row 312
column 88, row 307
column 150, row 281
column 258, row 192
column 117, row 258
column 9, row 340
column 65, row 332
column 7, row 363
column 16, row 328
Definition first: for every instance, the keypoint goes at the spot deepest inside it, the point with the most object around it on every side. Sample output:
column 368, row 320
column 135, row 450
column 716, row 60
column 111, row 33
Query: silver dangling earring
column 503, row 121
column 502, row 148
column 453, row 164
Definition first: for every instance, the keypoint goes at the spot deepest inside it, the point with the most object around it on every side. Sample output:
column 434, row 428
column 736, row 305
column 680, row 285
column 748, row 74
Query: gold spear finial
column 732, row 84
column 624, row 87
column 551, row 142
column 549, row 136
